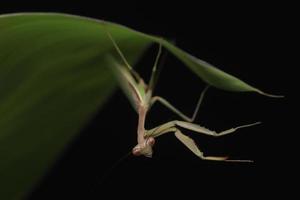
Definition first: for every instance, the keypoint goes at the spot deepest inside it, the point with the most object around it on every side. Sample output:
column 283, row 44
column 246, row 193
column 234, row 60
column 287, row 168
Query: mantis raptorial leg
column 190, row 144
column 187, row 141
column 140, row 95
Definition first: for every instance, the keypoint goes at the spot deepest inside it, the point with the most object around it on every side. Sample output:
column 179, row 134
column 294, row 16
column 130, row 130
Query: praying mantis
column 141, row 97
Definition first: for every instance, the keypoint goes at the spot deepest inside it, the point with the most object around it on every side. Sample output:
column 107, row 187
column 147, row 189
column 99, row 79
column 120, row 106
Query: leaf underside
column 54, row 77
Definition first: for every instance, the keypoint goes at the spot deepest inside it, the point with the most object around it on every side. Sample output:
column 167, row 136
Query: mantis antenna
column 108, row 172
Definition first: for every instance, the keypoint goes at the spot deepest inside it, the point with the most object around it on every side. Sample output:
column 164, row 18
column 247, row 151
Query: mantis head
column 144, row 148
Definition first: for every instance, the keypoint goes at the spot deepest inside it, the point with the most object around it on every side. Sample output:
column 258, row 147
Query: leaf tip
column 244, row 161
column 269, row 95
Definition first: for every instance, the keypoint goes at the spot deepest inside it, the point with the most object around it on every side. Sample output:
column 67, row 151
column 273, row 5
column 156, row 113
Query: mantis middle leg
column 188, row 142
column 178, row 112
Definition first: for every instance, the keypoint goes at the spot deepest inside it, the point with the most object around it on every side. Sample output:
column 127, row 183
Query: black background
column 244, row 40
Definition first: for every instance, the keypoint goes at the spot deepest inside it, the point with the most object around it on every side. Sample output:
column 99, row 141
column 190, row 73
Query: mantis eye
column 136, row 151
column 150, row 141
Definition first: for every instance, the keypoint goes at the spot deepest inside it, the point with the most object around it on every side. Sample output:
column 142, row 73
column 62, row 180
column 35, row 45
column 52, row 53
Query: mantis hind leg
column 117, row 48
column 155, row 72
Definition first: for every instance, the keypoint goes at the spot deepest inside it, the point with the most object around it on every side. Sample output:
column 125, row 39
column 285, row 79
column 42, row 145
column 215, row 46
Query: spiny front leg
column 191, row 145
column 187, row 141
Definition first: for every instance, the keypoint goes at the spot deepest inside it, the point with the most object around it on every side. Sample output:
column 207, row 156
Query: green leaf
column 53, row 78
column 210, row 74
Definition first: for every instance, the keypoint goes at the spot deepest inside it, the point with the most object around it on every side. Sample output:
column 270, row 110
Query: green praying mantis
column 141, row 97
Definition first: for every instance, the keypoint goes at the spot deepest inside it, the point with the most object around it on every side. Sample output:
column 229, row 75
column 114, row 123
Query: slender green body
column 140, row 97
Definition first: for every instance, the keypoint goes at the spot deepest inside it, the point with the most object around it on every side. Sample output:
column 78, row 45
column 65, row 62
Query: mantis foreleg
column 191, row 145
column 187, row 141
